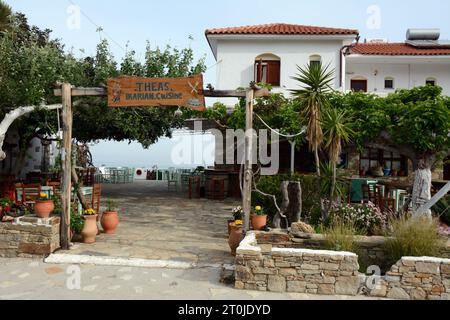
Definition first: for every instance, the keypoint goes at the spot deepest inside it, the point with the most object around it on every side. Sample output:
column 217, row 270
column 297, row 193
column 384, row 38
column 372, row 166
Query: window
column 358, row 85
column 389, row 83
column 267, row 69
column 315, row 60
column 373, row 158
column 431, row 82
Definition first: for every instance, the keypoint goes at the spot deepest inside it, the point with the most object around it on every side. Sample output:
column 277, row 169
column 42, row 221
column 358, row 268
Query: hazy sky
column 172, row 22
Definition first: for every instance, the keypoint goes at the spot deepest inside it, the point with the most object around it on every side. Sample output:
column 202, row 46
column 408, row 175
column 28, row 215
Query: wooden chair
column 56, row 186
column 31, row 193
column 96, row 196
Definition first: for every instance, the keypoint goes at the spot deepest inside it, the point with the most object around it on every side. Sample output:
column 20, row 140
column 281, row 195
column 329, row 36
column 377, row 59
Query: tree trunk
column 13, row 116
column 333, row 183
column 80, row 195
column 422, row 186
column 316, row 153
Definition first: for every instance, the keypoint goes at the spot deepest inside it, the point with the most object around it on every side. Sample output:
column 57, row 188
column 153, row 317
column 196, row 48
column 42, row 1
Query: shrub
column 76, row 222
column 340, row 236
column 414, row 237
column 367, row 218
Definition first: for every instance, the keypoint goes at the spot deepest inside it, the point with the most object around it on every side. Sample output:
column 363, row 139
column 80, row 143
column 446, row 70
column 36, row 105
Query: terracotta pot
column 110, row 221
column 90, row 229
column 259, row 222
column 43, row 209
column 235, row 238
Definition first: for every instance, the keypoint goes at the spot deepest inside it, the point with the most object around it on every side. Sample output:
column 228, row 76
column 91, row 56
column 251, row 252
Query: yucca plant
column 315, row 81
column 337, row 130
column 5, row 15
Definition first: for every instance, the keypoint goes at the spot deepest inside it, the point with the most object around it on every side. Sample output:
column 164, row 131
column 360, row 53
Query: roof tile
column 282, row 29
column 397, row 49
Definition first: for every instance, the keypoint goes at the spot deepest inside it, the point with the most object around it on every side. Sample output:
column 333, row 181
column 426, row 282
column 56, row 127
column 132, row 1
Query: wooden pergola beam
column 103, row 92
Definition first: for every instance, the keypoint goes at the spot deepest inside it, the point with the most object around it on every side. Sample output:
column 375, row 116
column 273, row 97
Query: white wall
column 406, row 75
column 236, row 59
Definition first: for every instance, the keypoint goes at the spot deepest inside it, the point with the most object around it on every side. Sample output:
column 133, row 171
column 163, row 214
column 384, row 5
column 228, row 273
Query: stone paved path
column 159, row 225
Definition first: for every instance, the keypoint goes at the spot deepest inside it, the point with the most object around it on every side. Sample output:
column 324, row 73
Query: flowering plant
column 43, row 196
column 238, row 223
column 259, row 211
column 90, row 212
column 237, row 213
column 365, row 217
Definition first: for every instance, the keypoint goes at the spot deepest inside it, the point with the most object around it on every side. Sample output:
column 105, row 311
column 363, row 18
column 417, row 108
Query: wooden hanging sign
column 156, row 92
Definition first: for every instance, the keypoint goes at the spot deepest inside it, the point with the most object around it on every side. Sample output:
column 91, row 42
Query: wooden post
column 66, row 155
column 248, row 166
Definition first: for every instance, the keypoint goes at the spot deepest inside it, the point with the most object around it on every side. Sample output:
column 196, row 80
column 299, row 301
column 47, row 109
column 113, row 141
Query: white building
column 271, row 53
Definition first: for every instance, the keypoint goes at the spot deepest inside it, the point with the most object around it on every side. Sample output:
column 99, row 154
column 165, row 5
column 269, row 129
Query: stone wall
column 295, row 270
column 29, row 237
column 416, row 279
column 370, row 249
column 268, row 267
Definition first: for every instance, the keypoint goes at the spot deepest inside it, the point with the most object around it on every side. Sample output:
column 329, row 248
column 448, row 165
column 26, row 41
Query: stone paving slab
column 158, row 225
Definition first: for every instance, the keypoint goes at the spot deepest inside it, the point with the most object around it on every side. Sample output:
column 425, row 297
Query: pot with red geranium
column 44, row 206
column 5, row 207
column 90, row 229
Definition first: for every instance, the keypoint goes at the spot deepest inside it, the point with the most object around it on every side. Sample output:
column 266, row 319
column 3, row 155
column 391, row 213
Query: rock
column 239, row 285
column 301, row 227
column 427, row 267
column 276, row 284
column 296, row 286
column 398, row 293
column 347, row 285
column 380, row 291
column 327, row 289
column 418, row 294
column 243, row 274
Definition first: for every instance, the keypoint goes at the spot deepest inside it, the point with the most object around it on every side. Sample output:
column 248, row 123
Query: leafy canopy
column 31, row 64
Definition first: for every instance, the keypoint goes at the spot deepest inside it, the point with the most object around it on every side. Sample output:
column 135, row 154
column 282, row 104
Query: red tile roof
column 397, row 49
column 282, row 29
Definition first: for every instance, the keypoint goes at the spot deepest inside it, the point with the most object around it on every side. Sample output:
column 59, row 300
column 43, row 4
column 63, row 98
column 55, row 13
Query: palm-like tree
column 315, row 81
column 337, row 130
column 5, row 14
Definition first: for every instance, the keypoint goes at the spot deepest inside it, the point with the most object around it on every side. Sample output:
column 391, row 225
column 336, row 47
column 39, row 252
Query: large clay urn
column 110, row 222
column 90, row 229
column 235, row 238
column 43, row 209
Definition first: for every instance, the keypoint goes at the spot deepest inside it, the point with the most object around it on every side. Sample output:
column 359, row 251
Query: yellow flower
column 43, row 195
column 258, row 208
column 90, row 212
column 239, row 222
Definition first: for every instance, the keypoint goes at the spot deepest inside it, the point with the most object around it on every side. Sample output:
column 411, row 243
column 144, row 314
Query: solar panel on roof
column 429, row 43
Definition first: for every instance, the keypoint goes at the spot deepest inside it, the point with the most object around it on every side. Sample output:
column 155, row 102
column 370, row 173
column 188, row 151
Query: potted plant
column 90, row 228
column 110, row 218
column 44, row 206
column 259, row 219
column 235, row 236
column 237, row 215
column 5, row 207
column 76, row 223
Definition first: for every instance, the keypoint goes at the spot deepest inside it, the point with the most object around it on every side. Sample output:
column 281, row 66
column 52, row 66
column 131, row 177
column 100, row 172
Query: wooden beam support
column 103, row 92
column 248, row 165
column 67, row 120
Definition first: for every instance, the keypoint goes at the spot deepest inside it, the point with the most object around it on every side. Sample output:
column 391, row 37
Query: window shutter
column 273, row 74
